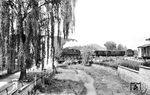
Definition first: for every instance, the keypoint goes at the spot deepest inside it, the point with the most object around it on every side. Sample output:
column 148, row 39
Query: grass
column 55, row 86
column 58, row 86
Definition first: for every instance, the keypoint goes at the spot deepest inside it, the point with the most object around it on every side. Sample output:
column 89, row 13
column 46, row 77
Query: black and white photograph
column 74, row 47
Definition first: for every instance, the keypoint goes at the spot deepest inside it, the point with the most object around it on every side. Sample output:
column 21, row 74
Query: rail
column 3, row 72
column 27, row 89
column 12, row 88
column 8, row 89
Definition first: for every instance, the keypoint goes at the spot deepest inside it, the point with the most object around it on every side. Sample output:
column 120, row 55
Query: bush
column 58, row 86
column 38, row 87
column 109, row 64
column 147, row 63
column 130, row 64
column 86, row 56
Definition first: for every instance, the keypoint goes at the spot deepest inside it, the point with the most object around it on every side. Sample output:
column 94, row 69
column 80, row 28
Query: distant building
column 144, row 51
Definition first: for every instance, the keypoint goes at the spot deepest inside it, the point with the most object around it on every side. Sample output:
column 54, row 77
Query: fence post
column 35, row 79
column 7, row 91
column 14, row 81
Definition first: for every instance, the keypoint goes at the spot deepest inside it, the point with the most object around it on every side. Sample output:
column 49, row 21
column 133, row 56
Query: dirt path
column 78, row 75
column 106, row 80
column 88, row 82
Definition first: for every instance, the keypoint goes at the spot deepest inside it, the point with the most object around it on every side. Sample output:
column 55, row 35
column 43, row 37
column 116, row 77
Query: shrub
column 38, row 87
column 147, row 63
column 86, row 56
column 130, row 64
column 109, row 64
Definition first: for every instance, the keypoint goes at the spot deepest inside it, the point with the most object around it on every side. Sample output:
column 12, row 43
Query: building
column 144, row 51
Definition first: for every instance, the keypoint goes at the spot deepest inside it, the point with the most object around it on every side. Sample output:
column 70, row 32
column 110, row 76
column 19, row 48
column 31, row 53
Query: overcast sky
column 122, row 21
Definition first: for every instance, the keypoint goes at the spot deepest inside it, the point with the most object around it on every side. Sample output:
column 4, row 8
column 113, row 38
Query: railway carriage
column 110, row 53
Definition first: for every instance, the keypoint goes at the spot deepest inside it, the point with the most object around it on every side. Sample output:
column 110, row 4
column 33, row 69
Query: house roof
column 145, row 45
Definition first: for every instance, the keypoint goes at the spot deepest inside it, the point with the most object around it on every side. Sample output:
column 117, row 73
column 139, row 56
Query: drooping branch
column 52, row 36
column 25, row 14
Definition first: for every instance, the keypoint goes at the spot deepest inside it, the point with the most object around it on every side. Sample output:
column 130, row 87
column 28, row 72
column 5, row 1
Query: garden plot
column 67, row 82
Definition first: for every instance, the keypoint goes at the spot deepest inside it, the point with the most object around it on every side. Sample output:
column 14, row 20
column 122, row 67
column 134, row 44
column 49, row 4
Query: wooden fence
column 13, row 87
column 3, row 72
column 9, row 88
column 27, row 89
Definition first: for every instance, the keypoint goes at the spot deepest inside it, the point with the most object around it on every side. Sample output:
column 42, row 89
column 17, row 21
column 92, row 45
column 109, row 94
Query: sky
column 125, row 22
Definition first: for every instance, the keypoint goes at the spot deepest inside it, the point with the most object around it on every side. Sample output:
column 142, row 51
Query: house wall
column 144, row 51
column 148, row 51
column 128, row 74
column 144, row 74
column 139, row 52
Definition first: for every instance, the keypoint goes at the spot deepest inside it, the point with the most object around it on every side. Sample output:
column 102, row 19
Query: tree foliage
column 121, row 47
column 31, row 23
column 110, row 45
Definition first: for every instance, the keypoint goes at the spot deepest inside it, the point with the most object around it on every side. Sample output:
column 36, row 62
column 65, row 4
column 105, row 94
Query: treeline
column 110, row 45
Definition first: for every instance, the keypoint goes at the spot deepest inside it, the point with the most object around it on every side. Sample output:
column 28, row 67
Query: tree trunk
column 21, row 48
column 3, row 35
column 23, row 68
column 52, row 39
column 43, row 53
column 3, row 56
column 48, row 38
column 22, row 74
